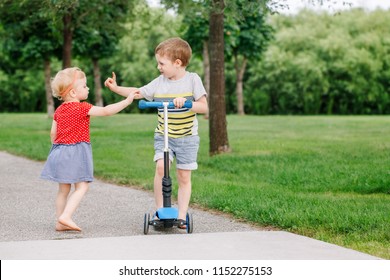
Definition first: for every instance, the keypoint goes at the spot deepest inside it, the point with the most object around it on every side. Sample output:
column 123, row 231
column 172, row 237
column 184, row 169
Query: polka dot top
column 72, row 123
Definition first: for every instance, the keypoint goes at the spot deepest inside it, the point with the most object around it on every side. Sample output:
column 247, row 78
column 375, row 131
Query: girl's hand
column 134, row 94
column 111, row 83
column 130, row 97
column 137, row 94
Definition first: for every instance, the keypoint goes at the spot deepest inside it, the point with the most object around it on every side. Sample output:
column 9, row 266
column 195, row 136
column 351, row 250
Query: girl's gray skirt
column 69, row 164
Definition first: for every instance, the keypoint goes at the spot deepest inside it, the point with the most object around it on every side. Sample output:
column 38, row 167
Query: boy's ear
column 178, row 62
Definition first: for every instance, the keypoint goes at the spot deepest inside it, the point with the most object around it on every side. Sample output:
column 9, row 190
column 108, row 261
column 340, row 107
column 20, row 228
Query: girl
column 70, row 158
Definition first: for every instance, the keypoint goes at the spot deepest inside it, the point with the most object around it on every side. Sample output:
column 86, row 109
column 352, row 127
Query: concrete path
column 112, row 220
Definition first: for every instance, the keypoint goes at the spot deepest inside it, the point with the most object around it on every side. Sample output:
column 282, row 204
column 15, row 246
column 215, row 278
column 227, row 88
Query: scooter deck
column 167, row 213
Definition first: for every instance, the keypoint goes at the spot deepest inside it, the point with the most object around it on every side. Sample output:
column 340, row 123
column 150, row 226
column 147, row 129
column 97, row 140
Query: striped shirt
column 181, row 122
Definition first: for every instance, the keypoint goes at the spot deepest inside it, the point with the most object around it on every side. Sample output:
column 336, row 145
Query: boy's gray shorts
column 184, row 149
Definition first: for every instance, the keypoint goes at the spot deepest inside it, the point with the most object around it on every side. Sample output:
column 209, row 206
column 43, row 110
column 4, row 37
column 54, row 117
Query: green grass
column 322, row 177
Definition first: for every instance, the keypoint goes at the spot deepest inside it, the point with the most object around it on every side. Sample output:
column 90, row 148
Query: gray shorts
column 184, row 149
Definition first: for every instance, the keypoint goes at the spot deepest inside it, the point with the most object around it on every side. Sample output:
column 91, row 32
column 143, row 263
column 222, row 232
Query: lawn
column 325, row 177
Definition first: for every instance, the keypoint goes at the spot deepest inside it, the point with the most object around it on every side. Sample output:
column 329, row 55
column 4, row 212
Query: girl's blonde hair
column 64, row 80
column 175, row 48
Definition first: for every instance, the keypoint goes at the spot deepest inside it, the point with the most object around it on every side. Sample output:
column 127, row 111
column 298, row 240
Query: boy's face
column 167, row 68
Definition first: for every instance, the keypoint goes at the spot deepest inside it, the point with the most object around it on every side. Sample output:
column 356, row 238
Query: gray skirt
column 69, row 164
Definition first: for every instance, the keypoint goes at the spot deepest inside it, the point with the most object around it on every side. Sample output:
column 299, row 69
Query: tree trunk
column 240, row 71
column 97, row 84
column 67, row 47
column 206, row 69
column 49, row 96
column 217, row 124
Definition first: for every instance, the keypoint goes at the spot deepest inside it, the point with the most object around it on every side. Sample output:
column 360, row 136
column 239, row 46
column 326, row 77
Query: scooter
column 167, row 216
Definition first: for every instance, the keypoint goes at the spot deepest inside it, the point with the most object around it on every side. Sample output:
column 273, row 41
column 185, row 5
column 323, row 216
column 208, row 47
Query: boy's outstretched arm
column 123, row 91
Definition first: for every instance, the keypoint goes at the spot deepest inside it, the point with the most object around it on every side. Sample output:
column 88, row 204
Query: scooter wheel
column 190, row 223
column 146, row 223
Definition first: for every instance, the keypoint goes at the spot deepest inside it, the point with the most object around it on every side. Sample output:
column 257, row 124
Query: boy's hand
column 179, row 102
column 111, row 83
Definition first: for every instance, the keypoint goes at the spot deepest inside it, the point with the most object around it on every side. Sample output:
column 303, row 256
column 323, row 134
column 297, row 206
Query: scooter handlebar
column 159, row 104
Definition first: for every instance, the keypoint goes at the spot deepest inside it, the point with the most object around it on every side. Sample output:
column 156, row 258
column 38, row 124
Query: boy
column 178, row 85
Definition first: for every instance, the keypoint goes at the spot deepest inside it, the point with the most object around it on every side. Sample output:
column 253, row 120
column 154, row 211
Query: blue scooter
column 167, row 215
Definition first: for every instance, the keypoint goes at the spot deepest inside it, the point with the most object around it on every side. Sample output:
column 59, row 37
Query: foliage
column 27, row 35
column 27, row 38
column 101, row 26
column 324, row 64
column 318, row 63
column 133, row 59
column 248, row 33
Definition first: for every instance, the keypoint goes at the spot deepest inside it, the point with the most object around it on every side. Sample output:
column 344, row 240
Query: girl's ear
column 72, row 93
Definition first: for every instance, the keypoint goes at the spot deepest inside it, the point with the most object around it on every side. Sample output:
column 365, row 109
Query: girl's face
column 167, row 68
column 80, row 88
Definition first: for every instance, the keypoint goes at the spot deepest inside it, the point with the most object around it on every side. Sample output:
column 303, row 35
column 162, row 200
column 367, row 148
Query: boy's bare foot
column 69, row 224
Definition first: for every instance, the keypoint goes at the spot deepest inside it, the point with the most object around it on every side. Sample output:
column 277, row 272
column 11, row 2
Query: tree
column 329, row 64
column 67, row 15
column 30, row 37
column 214, row 9
column 197, row 35
column 217, row 124
column 216, row 49
column 46, row 29
column 98, row 32
column 247, row 36
column 133, row 57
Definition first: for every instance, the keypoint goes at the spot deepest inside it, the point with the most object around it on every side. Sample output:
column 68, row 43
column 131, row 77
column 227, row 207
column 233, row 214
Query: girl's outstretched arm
column 112, row 109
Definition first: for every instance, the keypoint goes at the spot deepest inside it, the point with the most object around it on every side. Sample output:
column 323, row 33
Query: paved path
column 112, row 220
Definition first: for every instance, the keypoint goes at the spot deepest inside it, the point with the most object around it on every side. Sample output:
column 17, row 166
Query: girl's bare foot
column 69, row 224
column 60, row 227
